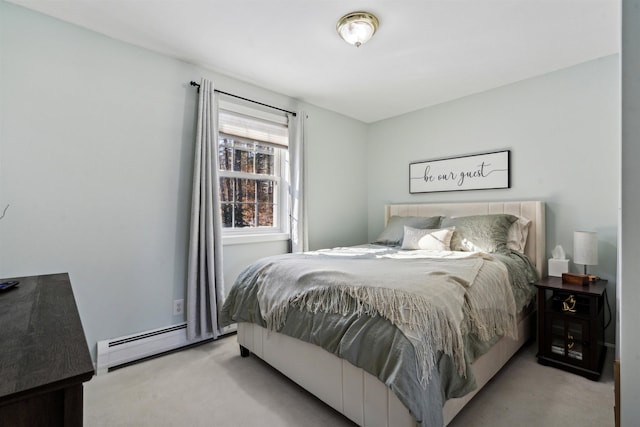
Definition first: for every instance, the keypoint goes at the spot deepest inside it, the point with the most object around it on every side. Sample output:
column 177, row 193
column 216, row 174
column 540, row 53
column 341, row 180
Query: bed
column 342, row 375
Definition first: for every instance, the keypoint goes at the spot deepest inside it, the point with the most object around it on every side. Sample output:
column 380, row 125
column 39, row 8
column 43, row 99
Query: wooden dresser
column 44, row 358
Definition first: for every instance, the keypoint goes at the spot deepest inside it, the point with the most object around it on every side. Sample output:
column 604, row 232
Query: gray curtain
column 297, row 195
column 205, row 287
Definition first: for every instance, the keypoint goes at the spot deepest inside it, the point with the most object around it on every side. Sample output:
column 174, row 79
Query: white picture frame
column 484, row 171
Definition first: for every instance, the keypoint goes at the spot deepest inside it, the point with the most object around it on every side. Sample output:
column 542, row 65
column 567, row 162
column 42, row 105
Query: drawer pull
column 569, row 304
column 572, row 343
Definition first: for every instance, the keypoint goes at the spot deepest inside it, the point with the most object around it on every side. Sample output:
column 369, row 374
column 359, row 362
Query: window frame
column 254, row 234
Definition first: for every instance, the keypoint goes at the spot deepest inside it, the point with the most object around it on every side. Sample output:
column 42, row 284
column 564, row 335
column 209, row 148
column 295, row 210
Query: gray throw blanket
column 423, row 296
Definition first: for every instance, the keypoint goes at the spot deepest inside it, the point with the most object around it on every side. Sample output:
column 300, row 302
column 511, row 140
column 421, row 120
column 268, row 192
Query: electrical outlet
column 178, row 307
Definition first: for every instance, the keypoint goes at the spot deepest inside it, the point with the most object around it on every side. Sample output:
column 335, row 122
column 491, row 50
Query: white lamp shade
column 585, row 247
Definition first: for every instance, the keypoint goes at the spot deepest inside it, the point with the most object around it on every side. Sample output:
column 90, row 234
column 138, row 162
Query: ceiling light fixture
column 357, row 28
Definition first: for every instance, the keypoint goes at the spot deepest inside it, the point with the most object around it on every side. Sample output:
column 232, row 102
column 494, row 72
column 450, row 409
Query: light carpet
column 211, row 385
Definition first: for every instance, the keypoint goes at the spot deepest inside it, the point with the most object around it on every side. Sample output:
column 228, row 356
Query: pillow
column 435, row 240
column 485, row 233
column 394, row 231
column 518, row 232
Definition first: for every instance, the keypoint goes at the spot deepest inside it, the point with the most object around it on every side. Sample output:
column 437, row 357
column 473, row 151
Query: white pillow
column 432, row 239
column 518, row 232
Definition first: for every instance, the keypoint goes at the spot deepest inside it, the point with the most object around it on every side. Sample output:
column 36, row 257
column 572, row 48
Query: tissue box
column 558, row 266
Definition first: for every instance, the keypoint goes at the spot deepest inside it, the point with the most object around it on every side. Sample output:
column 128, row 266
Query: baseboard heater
column 124, row 350
column 127, row 349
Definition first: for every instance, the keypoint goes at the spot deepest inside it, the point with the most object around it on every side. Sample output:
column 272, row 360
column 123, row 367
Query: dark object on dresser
column 44, row 357
column 7, row 286
column 571, row 326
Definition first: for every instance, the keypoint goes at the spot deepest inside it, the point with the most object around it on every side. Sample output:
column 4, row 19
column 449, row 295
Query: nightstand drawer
column 570, row 303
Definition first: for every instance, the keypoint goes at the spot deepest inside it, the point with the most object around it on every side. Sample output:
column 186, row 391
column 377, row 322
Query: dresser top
column 42, row 343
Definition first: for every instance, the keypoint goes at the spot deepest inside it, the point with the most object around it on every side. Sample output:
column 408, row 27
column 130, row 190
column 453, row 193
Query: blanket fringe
column 404, row 310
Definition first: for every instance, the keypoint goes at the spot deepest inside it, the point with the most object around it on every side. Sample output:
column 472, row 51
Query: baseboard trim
column 616, row 386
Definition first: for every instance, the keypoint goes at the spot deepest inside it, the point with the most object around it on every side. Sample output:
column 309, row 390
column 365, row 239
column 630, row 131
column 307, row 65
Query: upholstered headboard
column 533, row 210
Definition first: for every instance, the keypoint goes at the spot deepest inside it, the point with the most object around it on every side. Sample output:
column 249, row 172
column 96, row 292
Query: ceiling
column 425, row 51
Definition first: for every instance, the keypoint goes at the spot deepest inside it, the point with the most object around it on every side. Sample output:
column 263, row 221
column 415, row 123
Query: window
column 249, row 183
column 252, row 155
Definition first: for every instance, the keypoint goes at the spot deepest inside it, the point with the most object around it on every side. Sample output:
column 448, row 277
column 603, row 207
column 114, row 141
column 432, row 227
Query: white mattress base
column 358, row 395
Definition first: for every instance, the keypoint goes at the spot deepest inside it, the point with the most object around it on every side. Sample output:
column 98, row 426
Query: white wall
column 96, row 144
column 336, row 181
column 563, row 131
column 629, row 286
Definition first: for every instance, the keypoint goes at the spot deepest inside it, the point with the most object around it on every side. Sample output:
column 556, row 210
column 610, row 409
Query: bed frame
column 359, row 395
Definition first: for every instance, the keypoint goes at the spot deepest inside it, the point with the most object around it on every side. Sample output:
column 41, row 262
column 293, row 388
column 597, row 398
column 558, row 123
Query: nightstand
column 571, row 326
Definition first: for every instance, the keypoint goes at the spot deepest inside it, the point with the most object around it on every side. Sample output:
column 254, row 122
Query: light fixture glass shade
column 585, row 248
column 357, row 28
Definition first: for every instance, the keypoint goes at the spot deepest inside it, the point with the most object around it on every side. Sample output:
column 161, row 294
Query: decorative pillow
column 435, row 240
column 394, row 232
column 485, row 233
column 518, row 232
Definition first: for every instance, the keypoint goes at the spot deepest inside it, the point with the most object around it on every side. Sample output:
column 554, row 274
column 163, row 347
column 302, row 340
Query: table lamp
column 585, row 248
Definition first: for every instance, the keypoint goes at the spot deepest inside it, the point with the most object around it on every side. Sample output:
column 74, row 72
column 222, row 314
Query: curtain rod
column 192, row 83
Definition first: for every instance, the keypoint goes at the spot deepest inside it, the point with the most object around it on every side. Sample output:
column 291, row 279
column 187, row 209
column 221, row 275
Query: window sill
column 241, row 239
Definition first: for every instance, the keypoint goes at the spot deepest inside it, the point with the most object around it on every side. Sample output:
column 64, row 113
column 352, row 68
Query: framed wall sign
column 475, row 172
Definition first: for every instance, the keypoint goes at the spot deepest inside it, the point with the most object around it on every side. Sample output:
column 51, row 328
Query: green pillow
column 486, row 233
column 394, row 231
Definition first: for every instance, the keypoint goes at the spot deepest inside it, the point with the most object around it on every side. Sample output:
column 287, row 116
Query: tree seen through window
column 248, row 183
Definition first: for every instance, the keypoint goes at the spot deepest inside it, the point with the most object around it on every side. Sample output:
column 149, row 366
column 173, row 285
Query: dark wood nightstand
column 571, row 326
